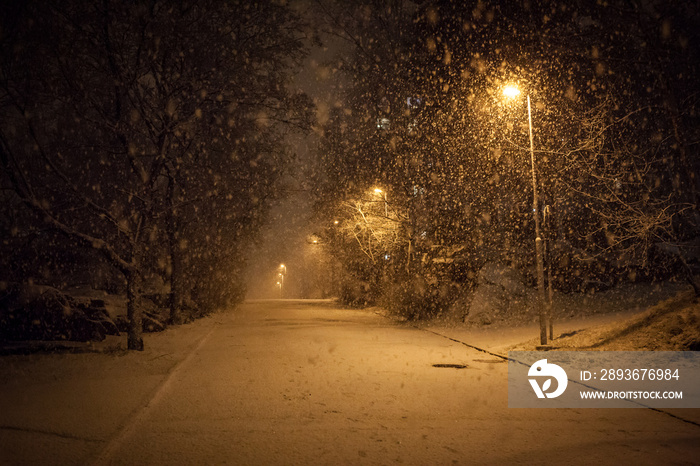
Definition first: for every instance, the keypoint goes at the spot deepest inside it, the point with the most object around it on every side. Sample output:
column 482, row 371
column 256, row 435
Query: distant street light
column 383, row 194
column 281, row 275
column 513, row 92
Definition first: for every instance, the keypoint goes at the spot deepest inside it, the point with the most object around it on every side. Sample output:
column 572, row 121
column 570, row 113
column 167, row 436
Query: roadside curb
column 107, row 453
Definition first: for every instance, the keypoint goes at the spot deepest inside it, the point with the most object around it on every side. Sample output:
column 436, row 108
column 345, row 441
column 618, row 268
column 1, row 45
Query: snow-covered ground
column 294, row 382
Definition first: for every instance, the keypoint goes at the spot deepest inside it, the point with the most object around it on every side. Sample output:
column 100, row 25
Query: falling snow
column 461, row 164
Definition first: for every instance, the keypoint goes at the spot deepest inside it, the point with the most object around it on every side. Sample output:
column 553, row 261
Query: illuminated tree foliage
column 614, row 109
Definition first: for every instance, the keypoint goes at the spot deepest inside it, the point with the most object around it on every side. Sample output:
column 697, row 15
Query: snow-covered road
column 304, row 382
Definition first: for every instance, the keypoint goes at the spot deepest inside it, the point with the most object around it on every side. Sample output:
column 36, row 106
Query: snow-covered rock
column 151, row 324
column 96, row 311
column 500, row 292
column 34, row 312
column 508, row 279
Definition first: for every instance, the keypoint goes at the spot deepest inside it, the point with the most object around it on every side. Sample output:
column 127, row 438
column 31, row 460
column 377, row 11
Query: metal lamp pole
column 383, row 194
column 538, row 238
column 512, row 92
column 281, row 276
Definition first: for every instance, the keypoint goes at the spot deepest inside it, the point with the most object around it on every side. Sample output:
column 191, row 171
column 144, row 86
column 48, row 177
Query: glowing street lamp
column 282, row 273
column 381, row 193
column 513, row 92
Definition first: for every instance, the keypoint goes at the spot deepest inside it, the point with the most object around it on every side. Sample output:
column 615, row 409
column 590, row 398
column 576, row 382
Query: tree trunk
column 687, row 172
column 133, row 311
column 176, row 316
column 410, row 230
column 689, row 276
column 694, row 283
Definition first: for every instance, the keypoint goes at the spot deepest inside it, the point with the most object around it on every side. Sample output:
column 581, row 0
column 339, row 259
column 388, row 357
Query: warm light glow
column 511, row 91
column 377, row 190
column 335, row 222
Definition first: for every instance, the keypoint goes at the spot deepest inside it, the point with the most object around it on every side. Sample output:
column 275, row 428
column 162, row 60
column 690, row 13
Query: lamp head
column 511, row 91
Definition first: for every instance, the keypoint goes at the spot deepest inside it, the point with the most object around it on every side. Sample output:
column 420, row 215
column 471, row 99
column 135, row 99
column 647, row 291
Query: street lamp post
column 512, row 92
column 383, row 194
column 281, row 275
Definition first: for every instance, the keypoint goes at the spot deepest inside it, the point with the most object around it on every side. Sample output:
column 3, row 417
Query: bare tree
column 376, row 226
column 121, row 123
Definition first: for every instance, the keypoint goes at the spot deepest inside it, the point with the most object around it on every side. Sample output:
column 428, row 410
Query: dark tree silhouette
column 151, row 132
